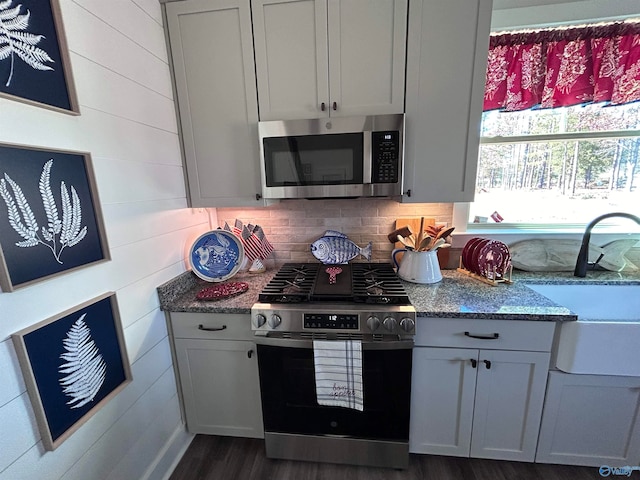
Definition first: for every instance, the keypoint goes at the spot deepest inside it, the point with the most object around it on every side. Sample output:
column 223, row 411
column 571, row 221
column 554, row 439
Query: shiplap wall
column 127, row 124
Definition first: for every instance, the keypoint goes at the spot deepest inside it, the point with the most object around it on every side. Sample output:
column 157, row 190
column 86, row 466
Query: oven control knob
column 390, row 323
column 259, row 320
column 407, row 324
column 274, row 321
column 373, row 323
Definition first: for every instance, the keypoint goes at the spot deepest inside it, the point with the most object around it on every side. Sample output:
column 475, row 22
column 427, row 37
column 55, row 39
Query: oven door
column 287, row 383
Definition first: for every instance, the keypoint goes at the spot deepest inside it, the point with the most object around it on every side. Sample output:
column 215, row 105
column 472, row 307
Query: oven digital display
column 331, row 321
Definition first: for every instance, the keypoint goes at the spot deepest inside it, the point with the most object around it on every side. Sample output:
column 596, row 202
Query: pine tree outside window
column 561, row 129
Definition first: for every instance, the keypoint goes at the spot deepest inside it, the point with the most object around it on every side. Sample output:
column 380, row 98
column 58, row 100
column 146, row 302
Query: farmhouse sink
column 606, row 338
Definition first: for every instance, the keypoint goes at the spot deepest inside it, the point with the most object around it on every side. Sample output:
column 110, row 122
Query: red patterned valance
column 563, row 67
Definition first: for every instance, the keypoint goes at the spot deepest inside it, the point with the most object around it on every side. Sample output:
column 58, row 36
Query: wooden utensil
column 445, row 232
column 403, row 231
column 404, row 242
column 414, row 224
column 420, row 232
column 424, row 244
column 436, row 244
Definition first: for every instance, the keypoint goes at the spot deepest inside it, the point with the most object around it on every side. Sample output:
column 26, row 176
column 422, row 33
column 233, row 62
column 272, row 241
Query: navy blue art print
column 33, row 65
column 71, row 364
column 49, row 221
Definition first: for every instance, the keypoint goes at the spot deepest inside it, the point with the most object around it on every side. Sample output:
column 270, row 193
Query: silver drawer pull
column 211, row 329
column 492, row 336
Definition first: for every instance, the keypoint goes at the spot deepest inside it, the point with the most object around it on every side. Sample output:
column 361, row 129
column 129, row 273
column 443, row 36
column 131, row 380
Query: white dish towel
column 338, row 369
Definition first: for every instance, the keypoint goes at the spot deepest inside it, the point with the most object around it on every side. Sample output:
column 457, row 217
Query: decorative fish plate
column 335, row 247
column 216, row 256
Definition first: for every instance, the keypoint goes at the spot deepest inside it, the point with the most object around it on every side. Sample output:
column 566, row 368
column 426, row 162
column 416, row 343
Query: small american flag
column 265, row 246
column 237, row 227
column 251, row 245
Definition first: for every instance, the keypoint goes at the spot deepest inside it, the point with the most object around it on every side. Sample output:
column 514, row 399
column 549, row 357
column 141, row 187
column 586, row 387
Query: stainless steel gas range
column 365, row 302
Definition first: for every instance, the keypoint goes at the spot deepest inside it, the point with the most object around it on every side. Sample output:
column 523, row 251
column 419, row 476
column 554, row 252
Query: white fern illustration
column 15, row 40
column 84, row 369
column 58, row 234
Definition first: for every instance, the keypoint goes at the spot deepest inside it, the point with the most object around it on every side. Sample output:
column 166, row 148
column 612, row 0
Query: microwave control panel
column 385, row 148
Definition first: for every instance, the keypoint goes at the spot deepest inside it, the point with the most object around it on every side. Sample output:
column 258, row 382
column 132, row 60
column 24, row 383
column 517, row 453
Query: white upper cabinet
column 321, row 58
column 212, row 55
column 446, row 65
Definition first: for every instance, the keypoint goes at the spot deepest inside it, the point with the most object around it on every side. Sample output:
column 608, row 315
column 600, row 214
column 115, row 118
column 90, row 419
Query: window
column 558, row 166
column 561, row 129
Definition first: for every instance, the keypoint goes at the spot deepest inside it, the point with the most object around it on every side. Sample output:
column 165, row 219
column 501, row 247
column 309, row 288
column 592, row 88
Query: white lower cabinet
column 591, row 420
column 218, row 374
column 508, row 404
column 479, row 402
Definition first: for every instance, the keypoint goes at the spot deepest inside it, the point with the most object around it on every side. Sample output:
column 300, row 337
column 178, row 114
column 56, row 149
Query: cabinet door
column 290, row 38
column 442, row 391
column 367, row 55
column 212, row 55
column 220, row 387
column 591, row 420
column 446, row 65
column 508, row 406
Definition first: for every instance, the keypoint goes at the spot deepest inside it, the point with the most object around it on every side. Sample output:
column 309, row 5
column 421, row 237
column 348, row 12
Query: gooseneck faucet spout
column 583, row 255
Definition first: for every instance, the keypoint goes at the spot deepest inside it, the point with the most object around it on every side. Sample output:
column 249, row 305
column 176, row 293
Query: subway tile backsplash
column 292, row 225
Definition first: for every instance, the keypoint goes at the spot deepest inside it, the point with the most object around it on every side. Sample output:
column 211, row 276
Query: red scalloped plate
column 494, row 256
column 222, row 291
column 466, row 252
column 473, row 258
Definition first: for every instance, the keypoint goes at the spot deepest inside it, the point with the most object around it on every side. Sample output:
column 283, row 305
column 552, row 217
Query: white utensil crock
column 418, row 267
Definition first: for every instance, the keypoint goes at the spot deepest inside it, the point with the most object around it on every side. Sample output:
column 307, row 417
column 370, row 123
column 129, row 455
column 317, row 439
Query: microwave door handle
column 366, row 154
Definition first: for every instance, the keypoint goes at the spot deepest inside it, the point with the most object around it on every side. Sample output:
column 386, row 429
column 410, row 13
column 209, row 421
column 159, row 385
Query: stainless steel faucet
column 583, row 255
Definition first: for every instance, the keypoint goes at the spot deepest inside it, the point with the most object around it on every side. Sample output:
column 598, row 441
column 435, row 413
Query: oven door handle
column 308, row 344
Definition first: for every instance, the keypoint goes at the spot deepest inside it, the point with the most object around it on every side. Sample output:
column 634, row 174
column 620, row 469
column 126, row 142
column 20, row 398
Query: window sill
column 511, row 233
column 459, row 239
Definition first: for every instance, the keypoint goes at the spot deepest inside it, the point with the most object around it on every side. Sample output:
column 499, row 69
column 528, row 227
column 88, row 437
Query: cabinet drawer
column 495, row 334
column 213, row 326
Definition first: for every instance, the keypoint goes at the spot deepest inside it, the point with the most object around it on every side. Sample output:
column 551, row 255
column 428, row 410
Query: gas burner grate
column 293, row 283
column 375, row 283
column 378, row 283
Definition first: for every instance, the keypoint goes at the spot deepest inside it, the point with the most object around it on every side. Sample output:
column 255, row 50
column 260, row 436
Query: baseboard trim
column 167, row 459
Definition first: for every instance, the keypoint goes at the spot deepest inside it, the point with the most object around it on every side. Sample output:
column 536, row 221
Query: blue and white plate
column 216, row 256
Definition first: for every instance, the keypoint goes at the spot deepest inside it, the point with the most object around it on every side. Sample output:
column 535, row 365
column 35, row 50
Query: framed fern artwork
column 73, row 363
column 34, row 59
column 50, row 217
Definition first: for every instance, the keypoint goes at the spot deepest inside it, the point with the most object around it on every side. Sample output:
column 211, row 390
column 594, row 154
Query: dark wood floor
column 228, row 458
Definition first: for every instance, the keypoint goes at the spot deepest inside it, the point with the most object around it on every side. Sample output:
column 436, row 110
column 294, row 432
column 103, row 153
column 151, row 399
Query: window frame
column 510, row 232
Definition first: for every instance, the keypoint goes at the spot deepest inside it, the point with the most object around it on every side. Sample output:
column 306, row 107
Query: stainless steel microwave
column 332, row 157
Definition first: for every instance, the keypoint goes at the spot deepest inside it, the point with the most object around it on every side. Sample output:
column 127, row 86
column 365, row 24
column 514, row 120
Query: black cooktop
column 375, row 283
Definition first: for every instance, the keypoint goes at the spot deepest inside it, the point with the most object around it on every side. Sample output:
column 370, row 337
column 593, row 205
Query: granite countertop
column 456, row 296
